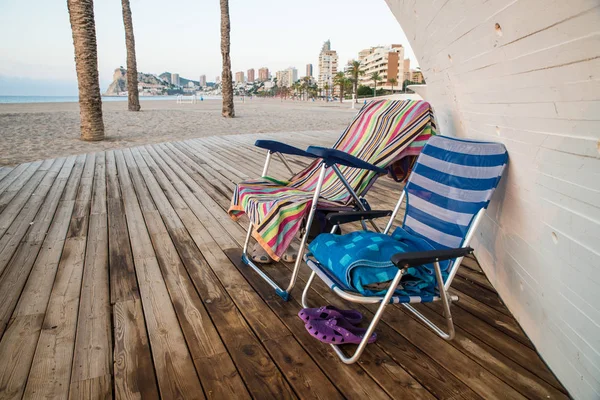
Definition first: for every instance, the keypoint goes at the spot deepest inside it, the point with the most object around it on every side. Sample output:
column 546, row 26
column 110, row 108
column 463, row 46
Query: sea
column 74, row 99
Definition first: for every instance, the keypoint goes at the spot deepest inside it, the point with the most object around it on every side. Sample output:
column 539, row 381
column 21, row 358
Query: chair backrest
column 453, row 179
column 381, row 133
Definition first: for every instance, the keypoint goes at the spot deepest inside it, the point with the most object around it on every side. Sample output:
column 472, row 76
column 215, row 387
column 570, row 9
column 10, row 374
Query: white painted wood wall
column 527, row 73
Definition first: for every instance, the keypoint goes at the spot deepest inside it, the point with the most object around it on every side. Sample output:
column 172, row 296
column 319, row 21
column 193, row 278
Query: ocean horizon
column 75, row 99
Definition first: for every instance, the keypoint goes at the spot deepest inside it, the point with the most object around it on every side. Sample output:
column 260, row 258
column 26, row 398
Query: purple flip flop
column 337, row 331
column 328, row 312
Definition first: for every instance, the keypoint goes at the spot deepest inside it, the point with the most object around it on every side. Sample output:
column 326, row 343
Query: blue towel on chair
column 362, row 258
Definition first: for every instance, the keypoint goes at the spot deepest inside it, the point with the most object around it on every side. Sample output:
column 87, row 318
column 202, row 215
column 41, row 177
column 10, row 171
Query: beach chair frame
column 330, row 159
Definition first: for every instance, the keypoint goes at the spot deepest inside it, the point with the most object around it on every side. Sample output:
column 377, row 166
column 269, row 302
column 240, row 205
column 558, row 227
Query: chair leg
column 306, row 288
column 446, row 301
column 363, row 343
column 285, row 294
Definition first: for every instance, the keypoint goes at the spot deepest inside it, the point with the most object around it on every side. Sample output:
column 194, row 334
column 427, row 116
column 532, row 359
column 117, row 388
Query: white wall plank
column 533, row 85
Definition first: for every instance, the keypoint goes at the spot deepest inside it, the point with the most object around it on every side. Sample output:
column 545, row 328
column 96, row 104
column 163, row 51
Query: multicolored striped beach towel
column 382, row 133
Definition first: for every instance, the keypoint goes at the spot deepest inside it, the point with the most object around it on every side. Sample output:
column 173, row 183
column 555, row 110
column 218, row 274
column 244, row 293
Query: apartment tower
column 239, row 77
column 251, row 75
column 328, row 64
column 263, row 74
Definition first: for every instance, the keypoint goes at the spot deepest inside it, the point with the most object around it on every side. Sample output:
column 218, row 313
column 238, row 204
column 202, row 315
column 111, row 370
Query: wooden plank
column 22, row 210
column 134, row 375
column 478, row 278
column 51, row 367
column 21, row 336
column 172, row 361
column 259, row 372
column 4, row 171
column 203, row 340
column 473, row 330
column 13, row 279
column 472, row 374
column 12, row 190
column 500, row 321
column 12, row 175
column 95, row 388
column 123, row 281
column 92, row 360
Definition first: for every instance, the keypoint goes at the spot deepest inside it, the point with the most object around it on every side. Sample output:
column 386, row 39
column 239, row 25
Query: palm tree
column 348, row 85
column 226, row 78
column 375, row 77
column 340, row 80
column 393, row 81
column 133, row 96
column 326, row 88
column 355, row 72
column 83, row 28
column 306, row 85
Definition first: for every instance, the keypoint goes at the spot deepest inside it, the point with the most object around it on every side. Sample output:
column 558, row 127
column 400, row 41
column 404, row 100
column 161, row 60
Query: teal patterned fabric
column 362, row 258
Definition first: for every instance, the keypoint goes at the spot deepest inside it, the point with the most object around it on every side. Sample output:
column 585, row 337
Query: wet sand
column 37, row 131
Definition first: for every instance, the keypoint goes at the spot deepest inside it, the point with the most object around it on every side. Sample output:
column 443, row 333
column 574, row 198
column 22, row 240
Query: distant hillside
column 182, row 81
column 119, row 83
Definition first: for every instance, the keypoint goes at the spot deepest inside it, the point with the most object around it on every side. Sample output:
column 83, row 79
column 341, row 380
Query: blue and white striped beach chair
column 446, row 196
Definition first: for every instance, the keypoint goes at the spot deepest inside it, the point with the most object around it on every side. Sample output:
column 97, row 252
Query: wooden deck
column 120, row 276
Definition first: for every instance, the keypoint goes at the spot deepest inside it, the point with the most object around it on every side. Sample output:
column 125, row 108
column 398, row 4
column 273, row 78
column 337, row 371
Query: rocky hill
column 119, row 83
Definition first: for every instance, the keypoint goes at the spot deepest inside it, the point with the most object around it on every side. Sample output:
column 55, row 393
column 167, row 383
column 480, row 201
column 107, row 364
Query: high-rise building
column 292, row 75
column 387, row 61
column 263, row 74
column 282, row 78
column 239, row 77
column 287, row 77
column 175, row 79
column 218, row 79
column 406, row 76
column 309, row 69
column 328, row 64
column 202, row 81
column 251, row 75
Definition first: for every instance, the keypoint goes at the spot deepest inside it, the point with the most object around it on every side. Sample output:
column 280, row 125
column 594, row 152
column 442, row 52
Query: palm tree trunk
column 226, row 78
column 83, row 28
column 132, row 74
column 356, row 90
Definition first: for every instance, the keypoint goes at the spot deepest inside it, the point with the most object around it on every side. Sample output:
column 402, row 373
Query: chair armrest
column 333, row 156
column 353, row 216
column 278, row 147
column 415, row 258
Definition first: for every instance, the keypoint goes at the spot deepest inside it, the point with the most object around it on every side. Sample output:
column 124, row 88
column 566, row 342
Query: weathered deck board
column 142, row 234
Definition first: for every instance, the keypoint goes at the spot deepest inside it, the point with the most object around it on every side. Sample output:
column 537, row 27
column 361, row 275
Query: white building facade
column 387, row 61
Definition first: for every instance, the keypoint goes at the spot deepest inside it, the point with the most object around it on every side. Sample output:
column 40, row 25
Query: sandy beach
column 37, row 131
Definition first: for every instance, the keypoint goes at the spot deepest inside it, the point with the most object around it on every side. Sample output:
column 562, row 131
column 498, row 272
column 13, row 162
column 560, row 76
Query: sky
column 183, row 36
